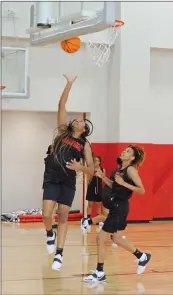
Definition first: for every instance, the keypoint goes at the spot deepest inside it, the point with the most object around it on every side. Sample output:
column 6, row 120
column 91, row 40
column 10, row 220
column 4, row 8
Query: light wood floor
column 26, row 265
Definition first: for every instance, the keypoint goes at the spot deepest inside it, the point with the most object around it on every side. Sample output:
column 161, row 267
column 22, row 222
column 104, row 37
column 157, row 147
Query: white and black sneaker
column 57, row 262
column 85, row 227
column 95, row 276
column 142, row 263
column 50, row 243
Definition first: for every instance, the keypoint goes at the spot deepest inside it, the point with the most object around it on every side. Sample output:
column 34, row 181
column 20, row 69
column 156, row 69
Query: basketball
column 71, row 45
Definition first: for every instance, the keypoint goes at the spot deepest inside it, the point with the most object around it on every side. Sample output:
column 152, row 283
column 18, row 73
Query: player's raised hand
column 70, row 79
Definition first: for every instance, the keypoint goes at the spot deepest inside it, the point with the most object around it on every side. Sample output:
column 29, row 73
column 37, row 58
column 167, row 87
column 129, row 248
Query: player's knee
column 47, row 215
column 63, row 216
column 117, row 239
column 100, row 241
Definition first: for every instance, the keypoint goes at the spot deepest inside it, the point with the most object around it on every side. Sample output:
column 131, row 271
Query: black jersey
column 55, row 164
column 119, row 192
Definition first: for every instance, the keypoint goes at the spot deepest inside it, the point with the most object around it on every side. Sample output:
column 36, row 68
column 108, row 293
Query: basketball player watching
column 123, row 183
column 69, row 147
column 94, row 190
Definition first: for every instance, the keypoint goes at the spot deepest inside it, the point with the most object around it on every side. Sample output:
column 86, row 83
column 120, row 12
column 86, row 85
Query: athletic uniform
column 116, row 199
column 118, row 203
column 60, row 182
column 94, row 190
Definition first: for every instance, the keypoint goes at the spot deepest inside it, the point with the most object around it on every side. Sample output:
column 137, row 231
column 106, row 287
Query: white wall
column 113, row 98
column 161, row 94
column 134, row 79
column 141, row 102
column 161, row 26
column 22, row 18
column 25, row 138
column 46, row 66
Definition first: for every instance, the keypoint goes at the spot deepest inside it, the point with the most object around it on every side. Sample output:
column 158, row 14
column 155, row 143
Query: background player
column 94, row 190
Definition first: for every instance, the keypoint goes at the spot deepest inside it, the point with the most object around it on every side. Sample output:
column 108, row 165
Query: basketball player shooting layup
column 69, row 147
column 124, row 182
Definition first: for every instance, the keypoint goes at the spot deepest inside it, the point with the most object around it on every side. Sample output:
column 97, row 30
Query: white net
column 13, row 69
column 101, row 51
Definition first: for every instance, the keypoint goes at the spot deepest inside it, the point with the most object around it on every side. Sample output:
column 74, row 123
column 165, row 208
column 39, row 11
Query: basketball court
column 40, row 42
column 27, row 267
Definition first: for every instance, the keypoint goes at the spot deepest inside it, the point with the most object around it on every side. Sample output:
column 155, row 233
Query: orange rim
column 118, row 23
column 3, row 87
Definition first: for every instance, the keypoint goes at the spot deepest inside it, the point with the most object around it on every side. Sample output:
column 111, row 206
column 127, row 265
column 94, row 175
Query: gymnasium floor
column 26, row 265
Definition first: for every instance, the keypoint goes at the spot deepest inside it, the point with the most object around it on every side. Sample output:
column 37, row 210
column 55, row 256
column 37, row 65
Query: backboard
column 14, row 62
column 52, row 22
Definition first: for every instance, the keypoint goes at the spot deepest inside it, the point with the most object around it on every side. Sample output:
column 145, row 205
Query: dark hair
column 139, row 155
column 98, row 158
column 88, row 128
column 66, row 131
column 49, row 149
column 119, row 161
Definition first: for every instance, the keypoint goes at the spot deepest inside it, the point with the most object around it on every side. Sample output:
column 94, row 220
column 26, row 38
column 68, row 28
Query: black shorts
column 92, row 197
column 94, row 194
column 116, row 220
column 58, row 192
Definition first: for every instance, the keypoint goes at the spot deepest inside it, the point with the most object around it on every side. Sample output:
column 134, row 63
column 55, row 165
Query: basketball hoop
column 3, row 87
column 101, row 51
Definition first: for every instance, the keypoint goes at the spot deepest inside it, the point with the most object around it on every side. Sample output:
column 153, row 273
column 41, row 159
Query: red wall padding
column 156, row 174
column 38, row 218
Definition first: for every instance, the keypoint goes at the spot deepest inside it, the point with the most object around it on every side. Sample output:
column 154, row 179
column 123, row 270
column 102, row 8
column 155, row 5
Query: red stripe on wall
column 156, row 174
